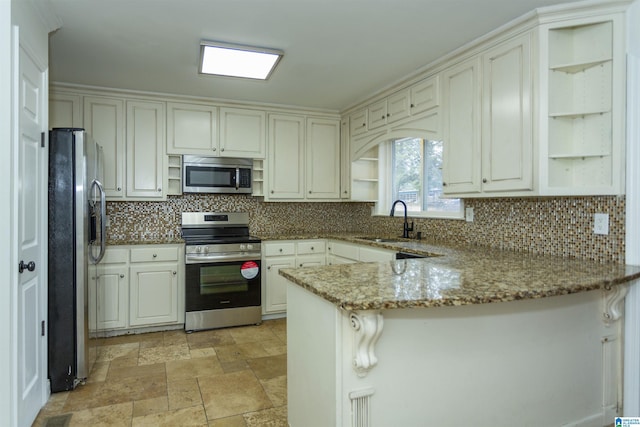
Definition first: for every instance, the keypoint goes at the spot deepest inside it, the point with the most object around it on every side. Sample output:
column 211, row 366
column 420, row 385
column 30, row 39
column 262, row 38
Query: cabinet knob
column 269, row 268
column 159, row 189
column 388, row 115
column 175, row 273
column 300, row 265
column 364, row 124
column 444, row 184
column 155, row 255
column 345, row 191
column 271, row 191
column 119, row 188
column 312, row 248
column 309, row 191
column 222, row 149
column 122, row 276
column 484, row 180
column 411, row 106
column 214, row 148
column 280, row 249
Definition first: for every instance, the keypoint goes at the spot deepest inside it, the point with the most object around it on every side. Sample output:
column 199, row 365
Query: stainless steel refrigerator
column 77, row 211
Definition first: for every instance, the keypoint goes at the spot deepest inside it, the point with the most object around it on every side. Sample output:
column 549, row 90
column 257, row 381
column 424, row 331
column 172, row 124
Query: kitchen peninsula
column 474, row 336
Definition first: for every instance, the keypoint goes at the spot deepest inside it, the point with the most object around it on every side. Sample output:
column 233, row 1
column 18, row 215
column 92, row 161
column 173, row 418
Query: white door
column 31, row 233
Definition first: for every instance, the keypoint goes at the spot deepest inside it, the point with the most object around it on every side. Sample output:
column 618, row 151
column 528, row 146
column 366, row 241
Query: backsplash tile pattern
column 559, row 226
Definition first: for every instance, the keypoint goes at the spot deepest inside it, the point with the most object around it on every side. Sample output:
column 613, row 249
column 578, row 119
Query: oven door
column 219, row 285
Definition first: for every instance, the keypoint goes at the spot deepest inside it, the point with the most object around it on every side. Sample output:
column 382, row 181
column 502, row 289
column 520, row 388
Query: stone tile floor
column 234, row 377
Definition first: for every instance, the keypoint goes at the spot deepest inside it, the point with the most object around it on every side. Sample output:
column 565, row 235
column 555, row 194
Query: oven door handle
column 202, row 259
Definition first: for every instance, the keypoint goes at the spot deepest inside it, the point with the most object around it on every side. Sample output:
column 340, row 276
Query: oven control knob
column 206, row 249
column 243, row 247
column 250, row 247
column 198, row 249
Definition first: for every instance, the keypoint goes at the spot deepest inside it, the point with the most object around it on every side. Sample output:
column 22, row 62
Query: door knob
column 29, row 266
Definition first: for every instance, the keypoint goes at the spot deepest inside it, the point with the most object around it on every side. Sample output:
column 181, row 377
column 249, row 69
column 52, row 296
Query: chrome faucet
column 405, row 228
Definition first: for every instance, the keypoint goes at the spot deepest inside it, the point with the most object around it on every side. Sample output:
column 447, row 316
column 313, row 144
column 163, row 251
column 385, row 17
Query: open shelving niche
column 580, row 104
column 258, row 178
column 364, row 177
column 174, row 177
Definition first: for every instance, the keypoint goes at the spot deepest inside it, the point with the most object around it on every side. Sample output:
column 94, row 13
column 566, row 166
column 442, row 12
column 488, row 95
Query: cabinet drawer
column 115, row 256
column 311, row 247
column 344, row 250
column 154, row 254
column 279, row 248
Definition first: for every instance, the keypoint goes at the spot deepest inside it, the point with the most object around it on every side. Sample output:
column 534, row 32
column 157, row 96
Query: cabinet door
column 242, row 133
column 398, row 106
column 153, row 294
column 461, row 128
column 112, row 297
column 375, row 255
column 425, row 95
column 311, row 261
column 507, row 151
column 345, row 161
column 358, row 123
column 64, row 111
column 377, row 115
column 145, row 149
column 323, row 159
column 192, row 129
column 286, row 157
column 275, row 289
column 104, row 121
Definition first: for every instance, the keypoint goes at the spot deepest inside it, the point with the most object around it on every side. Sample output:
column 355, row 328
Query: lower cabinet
column 286, row 254
column 138, row 286
column 278, row 254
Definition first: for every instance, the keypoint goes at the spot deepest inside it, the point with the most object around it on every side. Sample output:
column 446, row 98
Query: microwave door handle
column 237, row 178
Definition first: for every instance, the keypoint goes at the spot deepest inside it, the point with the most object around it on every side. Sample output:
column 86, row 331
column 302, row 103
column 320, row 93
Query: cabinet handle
column 484, row 180
column 155, row 255
column 122, row 276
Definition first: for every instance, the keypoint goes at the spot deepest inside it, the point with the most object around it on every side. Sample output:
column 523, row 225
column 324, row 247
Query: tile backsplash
column 561, row 226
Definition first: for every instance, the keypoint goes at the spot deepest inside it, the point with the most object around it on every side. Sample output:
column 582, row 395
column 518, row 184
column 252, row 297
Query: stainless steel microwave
column 216, row 175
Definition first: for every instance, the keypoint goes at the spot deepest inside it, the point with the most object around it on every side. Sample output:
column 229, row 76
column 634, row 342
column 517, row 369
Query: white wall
column 632, row 307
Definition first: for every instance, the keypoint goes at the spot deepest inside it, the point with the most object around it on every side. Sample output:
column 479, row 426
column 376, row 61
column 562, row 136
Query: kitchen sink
column 381, row 239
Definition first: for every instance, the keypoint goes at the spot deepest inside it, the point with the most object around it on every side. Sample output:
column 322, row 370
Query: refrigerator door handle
column 103, row 226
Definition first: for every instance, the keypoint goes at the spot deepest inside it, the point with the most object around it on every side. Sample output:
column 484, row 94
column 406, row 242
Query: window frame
column 385, row 186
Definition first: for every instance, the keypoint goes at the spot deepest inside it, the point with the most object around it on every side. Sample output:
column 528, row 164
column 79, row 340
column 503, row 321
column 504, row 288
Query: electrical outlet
column 468, row 214
column 601, row 223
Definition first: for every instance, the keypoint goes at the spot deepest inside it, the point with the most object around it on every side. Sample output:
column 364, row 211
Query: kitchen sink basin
column 381, row 239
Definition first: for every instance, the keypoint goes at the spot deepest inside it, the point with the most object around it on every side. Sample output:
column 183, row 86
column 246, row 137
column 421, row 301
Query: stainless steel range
column 222, row 279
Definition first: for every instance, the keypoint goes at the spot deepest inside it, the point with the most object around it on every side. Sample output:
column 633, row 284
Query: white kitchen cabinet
column 358, row 123
column 345, row 162
column 304, row 158
column 507, row 108
column 286, row 157
column 424, row 95
column 192, row 129
column 343, row 253
column 323, row 159
column 146, row 166
column 487, row 122
column 275, row 286
column 286, row 254
column 112, row 298
column 388, row 110
column 153, row 296
column 104, row 120
column 242, row 133
column 138, row 286
column 65, row 110
column 461, row 127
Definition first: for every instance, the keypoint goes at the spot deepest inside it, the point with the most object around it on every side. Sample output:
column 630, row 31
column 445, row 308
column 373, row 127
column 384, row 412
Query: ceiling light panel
column 225, row 59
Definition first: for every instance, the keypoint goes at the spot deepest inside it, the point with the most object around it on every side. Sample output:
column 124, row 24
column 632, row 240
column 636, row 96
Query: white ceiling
column 337, row 52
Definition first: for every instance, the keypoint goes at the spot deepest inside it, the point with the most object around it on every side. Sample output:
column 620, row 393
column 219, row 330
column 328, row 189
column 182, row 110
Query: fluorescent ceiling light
column 225, row 59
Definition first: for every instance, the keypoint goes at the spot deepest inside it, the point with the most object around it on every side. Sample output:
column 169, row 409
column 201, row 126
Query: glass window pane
column 433, row 187
column 407, row 172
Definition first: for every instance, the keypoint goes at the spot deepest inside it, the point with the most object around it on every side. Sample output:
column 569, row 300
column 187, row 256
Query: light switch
column 468, row 214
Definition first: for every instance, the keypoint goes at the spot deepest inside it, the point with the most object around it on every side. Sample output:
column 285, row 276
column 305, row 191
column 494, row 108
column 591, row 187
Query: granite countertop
column 453, row 276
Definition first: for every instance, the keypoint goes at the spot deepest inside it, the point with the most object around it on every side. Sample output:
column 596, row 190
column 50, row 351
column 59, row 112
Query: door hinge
column 42, row 328
column 42, row 137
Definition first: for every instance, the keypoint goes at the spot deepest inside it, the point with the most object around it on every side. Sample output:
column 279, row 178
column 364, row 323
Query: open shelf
column 257, row 178
column 364, row 177
column 174, row 175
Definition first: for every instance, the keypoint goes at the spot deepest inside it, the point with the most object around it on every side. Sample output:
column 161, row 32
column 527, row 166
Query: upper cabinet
column 304, row 158
column 192, row 129
column 215, row 131
column 104, row 120
column 65, row 111
column 487, row 116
